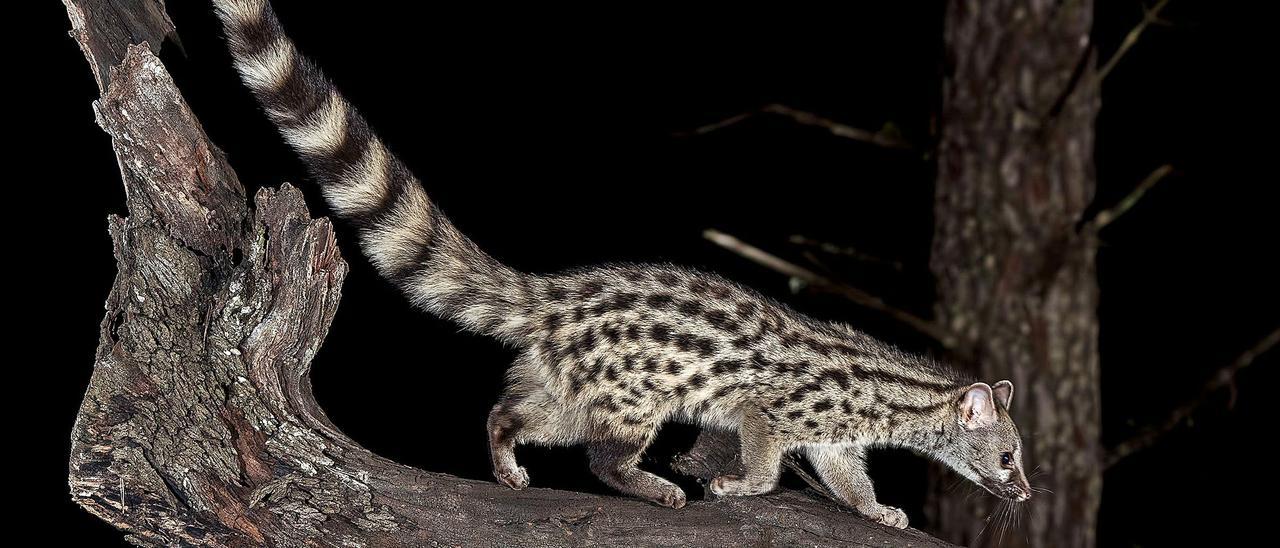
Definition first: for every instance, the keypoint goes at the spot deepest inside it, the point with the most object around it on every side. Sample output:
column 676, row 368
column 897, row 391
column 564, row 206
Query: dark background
column 550, row 137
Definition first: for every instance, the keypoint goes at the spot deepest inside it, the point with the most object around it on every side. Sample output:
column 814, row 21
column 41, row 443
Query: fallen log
column 199, row 426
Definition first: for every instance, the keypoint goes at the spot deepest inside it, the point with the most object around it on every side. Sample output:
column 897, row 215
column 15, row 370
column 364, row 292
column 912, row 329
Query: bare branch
column 1106, row 216
column 839, row 130
column 926, row 327
column 844, row 251
column 702, row 130
column 1224, row 378
column 1148, row 17
column 879, row 138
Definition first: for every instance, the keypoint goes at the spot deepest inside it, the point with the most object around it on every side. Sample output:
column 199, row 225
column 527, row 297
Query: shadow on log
column 199, row 426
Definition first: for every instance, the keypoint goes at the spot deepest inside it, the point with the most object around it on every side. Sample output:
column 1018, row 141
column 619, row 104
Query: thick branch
column 821, row 282
column 199, row 426
column 1224, row 378
column 105, row 30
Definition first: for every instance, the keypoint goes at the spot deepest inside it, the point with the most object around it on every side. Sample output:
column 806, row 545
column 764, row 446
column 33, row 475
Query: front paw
column 516, row 478
column 671, row 497
column 886, row 515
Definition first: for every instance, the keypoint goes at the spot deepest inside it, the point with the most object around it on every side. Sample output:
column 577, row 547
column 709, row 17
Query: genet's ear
column 1003, row 392
column 977, row 408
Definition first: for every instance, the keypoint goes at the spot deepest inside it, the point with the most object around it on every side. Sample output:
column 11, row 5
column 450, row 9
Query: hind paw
column 737, row 486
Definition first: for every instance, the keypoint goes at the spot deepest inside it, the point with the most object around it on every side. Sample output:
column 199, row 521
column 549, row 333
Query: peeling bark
column 1015, row 272
column 199, row 426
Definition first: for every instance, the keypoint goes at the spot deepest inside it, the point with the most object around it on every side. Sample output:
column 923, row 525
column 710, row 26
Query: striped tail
column 401, row 231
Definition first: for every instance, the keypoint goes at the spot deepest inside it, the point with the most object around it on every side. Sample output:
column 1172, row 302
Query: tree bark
column 1015, row 274
column 199, row 426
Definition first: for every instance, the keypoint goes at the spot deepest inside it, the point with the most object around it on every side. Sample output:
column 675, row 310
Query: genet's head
column 986, row 448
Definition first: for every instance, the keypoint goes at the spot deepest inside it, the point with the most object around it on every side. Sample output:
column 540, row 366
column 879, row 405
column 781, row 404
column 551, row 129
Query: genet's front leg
column 844, row 471
column 761, row 457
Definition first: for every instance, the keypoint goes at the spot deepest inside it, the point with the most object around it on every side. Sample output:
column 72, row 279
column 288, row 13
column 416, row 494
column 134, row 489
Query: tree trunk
column 199, row 426
column 1016, row 278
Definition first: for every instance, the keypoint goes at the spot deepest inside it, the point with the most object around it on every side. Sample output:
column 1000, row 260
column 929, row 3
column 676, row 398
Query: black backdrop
column 549, row 136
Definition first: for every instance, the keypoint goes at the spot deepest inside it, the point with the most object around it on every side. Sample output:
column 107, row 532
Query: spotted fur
column 606, row 355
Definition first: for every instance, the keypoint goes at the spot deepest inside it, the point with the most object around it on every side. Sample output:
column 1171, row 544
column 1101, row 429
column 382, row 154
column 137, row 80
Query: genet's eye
column 1006, row 458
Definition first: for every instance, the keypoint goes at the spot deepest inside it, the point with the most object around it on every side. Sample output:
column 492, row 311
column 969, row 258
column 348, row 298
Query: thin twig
column 1106, row 216
column 1148, row 17
column 702, row 130
column 844, row 251
column 818, row 281
column 839, row 130
column 806, row 118
column 1224, row 378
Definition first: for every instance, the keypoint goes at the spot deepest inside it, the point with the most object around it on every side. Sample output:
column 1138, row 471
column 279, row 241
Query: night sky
column 553, row 138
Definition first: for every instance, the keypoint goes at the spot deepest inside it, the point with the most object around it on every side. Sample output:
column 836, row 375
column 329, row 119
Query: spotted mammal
column 606, row 355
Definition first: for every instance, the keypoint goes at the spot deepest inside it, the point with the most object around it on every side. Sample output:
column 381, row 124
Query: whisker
column 984, row 527
column 1031, row 512
column 1003, row 523
column 1015, row 516
column 973, row 490
column 999, row 522
column 1017, row 520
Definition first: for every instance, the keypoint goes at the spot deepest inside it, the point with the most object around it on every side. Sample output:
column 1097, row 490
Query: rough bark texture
column 199, row 426
column 1016, row 278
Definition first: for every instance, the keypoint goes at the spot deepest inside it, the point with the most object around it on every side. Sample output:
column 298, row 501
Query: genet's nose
column 1024, row 490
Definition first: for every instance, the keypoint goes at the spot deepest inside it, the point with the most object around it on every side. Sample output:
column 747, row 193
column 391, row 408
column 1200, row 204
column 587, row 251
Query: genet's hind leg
column 505, row 422
column 761, row 457
column 614, row 460
column 526, row 415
